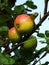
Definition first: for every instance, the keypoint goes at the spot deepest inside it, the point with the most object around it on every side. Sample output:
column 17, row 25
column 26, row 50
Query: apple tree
column 17, row 27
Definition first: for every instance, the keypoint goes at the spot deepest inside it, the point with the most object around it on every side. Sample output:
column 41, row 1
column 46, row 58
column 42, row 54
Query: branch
column 10, row 50
column 42, row 20
column 40, row 58
column 46, row 4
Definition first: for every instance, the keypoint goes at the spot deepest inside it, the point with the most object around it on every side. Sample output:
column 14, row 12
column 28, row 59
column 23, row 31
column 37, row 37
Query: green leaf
column 30, row 4
column 3, row 30
column 19, row 9
column 6, row 2
column 41, row 35
column 27, row 55
column 10, row 60
column 47, row 40
column 1, row 42
column 6, row 59
column 34, row 6
column 38, row 52
column 11, row 3
column 42, row 41
column 2, row 19
column 3, row 4
column 3, row 60
column 5, row 17
column 1, row 1
column 41, row 50
column 17, row 54
column 9, row 11
column 47, row 33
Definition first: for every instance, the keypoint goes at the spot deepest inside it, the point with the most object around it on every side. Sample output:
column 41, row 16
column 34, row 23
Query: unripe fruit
column 13, row 35
column 24, row 24
column 30, row 44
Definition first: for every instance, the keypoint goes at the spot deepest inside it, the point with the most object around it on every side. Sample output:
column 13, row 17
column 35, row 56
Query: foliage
column 5, row 59
column 8, row 12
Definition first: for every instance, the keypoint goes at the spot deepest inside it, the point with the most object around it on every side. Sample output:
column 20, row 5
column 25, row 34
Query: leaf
column 19, row 9
column 1, row 42
column 9, row 11
column 41, row 50
column 34, row 6
column 4, row 18
column 47, row 40
column 18, row 56
column 11, row 3
column 26, row 55
column 1, row 1
column 6, row 59
column 41, row 35
column 38, row 52
column 42, row 41
column 6, row 2
column 3, row 4
column 10, row 60
column 47, row 33
column 3, row 60
column 3, row 30
column 30, row 4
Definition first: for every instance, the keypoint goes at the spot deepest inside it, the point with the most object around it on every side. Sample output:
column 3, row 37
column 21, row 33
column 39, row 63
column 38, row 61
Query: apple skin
column 13, row 35
column 30, row 44
column 24, row 24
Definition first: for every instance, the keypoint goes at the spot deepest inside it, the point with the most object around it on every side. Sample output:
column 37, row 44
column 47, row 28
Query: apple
column 24, row 24
column 30, row 43
column 13, row 35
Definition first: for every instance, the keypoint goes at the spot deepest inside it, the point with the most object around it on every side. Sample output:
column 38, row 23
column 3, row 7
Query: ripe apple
column 24, row 24
column 30, row 44
column 13, row 35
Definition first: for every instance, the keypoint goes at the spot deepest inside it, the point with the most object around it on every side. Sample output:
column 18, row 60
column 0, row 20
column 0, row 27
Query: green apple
column 30, row 43
column 24, row 24
column 13, row 35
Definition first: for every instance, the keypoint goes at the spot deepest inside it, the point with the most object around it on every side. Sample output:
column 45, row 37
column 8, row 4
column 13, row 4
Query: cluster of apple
column 23, row 24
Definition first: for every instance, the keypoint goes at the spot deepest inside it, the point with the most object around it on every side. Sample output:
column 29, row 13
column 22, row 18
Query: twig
column 10, row 50
column 34, row 62
column 45, row 9
column 40, row 58
column 42, row 20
